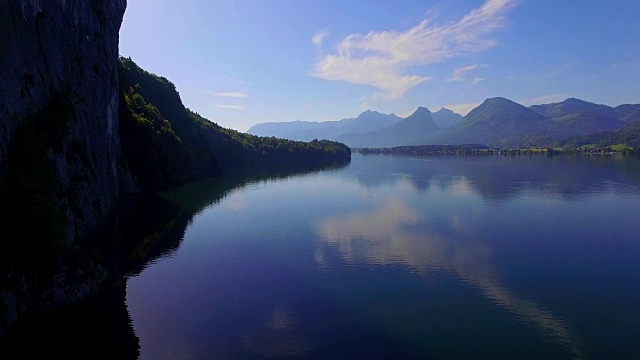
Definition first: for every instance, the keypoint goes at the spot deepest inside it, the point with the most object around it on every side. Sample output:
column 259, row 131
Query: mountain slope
column 445, row 118
column 497, row 122
column 416, row 126
column 369, row 121
column 628, row 112
column 166, row 144
column 420, row 121
column 633, row 117
column 572, row 105
column 629, row 135
column 582, row 123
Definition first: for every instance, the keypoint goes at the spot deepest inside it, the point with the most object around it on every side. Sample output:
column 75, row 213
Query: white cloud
column 231, row 94
column 230, row 107
column 546, row 99
column 318, row 38
column 460, row 73
column 383, row 59
column 477, row 80
column 462, row 109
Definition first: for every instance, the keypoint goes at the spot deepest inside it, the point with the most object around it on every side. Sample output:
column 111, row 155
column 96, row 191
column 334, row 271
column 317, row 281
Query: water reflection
column 244, row 286
column 236, row 259
column 394, row 233
column 500, row 178
column 144, row 231
column 245, row 283
column 279, row 338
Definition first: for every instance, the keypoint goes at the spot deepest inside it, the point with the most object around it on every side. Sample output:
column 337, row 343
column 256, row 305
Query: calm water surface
column 398, row 257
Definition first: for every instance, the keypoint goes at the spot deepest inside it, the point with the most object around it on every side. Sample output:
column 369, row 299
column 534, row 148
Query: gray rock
column 63, row 55
column 52, row 50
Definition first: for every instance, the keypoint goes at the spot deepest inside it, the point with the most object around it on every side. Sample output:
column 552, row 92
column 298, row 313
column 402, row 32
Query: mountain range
column 495, row 122
column 305, row 130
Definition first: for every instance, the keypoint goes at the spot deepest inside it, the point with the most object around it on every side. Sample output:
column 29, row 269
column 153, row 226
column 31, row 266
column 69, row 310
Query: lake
column 398, row 257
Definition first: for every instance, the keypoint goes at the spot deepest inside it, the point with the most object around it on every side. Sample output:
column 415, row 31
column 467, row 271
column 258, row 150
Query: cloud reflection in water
column 392, row 235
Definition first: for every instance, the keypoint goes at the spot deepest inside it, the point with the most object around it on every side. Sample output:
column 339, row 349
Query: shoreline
column 485, row 150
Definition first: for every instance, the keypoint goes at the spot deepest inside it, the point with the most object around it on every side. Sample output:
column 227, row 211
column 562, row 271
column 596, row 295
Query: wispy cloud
column 478, row 80
column 383, row 59
column 231, row 94
column 230, row 107
column 460, row 74
column 318, row 38
column 546, row 99
column 364, row 104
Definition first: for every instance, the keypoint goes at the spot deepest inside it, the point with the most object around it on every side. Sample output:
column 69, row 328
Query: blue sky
column 241, row 62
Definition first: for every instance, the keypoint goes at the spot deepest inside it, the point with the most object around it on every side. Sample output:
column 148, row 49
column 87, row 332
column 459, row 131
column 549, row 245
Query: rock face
column 58, row 63
column 68, row 149
column 59, row 99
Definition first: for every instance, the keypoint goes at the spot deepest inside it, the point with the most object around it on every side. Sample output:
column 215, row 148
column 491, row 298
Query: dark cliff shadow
column 98, row 328
column 150, row 227
column 141, row 231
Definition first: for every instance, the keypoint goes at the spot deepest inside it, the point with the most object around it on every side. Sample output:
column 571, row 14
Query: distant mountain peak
column 445, row 118
column 499, row 99
column 421, row 120
column 571, row 105
column 421, row 110
column 573, row 100
column 501, row 109
column 368, row 113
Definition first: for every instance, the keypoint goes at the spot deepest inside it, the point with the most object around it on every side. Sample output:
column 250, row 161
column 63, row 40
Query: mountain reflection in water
column 437, row 257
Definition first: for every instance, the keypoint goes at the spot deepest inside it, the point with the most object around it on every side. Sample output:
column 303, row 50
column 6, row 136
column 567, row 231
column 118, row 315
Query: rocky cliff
column 58, row 79
column 73, row 141
column 60, row 151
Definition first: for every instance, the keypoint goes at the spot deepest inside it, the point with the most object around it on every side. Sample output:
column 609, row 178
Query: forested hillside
column 166, row 144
